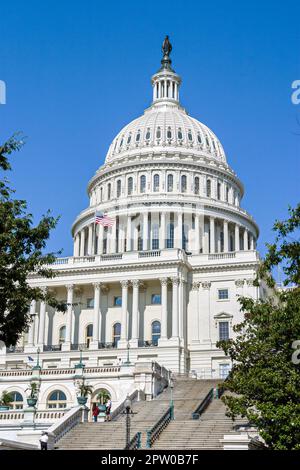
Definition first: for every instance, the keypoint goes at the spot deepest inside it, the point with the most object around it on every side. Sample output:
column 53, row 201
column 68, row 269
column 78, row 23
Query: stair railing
column 203, row 405
column 157, row 429
column 135, row 442
column 73, row 417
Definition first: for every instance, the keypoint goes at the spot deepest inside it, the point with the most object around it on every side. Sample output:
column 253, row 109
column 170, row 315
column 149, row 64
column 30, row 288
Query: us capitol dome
column 161, row 254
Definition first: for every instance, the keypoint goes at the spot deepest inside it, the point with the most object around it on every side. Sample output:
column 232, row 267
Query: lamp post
column 172, row 402
column 127, row 412
column 127, row 360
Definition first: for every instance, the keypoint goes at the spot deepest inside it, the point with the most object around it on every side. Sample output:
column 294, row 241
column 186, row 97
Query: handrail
column 157, row 429
column 203, row 405
column 135, row 442
column 121, row 407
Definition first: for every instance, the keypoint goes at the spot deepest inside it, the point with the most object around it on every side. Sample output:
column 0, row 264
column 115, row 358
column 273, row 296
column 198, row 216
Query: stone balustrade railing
column 66, row 371
column 66, row 423
column 41, row 415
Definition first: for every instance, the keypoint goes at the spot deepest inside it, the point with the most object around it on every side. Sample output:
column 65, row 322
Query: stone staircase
column 187, row 395
column 204, row 434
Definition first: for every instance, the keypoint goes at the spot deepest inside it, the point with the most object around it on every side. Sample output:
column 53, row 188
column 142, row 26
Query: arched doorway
column 99, row 398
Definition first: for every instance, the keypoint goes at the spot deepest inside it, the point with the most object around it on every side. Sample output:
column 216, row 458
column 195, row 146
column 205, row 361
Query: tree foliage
column 22, row 247
column 265, row 381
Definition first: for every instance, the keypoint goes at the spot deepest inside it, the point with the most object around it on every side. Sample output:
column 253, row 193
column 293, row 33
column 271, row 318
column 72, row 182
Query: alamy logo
column 296, row 94
column 2, row 92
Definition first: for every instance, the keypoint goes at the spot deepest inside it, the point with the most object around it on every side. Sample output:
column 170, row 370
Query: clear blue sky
column 76, row 72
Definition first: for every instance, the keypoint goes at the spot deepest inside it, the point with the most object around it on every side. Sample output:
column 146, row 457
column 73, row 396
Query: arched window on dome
column 138, row 136
column 219, row 190
column 62, row 334
column 119, row 188
column 148, row 134
column 208, row 188
column 115, row 146
column 57, row 399
column 170, row 183
column 101, row 194
column 121, row 143
column 88, row 334
column 129, row 185
column 190, row 136
column 197, row 185
column 179, row 134
column 158, row 133
column 199, row 138
column 16, row 402
column 207, row 141
column 109, row 191
column 143, row 183
column 183, row 183
column 155, row 237
column 128, row 139
column 226, row 193
column 169, row 133
column 214, row 145
column 116, row 333
column 155, row 332
column 156, row 183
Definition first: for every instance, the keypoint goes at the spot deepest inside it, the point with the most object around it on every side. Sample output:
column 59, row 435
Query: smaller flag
column 30, row 359
column 103, row 219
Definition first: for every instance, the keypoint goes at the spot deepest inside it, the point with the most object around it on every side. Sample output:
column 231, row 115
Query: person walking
column 95, row 412
column 44, row 441
column 108, row 410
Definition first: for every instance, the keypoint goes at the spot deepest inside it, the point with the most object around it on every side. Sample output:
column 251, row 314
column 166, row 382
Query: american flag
column 103, row 219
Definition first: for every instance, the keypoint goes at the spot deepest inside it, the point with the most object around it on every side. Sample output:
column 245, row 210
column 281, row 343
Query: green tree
column 265, row 381
column 21, row 253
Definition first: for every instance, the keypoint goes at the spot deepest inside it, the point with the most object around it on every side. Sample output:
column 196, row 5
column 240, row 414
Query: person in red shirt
column 95, row 412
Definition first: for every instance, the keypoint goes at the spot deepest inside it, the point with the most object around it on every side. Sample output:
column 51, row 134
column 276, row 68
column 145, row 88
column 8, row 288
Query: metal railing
column 79, row 346
column 158, row 428
column 203, row 405
column 147, row 344
column 15, row 349
column 51, row 347
column 135, row 442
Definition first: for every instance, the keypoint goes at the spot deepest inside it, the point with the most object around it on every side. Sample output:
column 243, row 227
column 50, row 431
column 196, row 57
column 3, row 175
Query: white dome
column 166, row 126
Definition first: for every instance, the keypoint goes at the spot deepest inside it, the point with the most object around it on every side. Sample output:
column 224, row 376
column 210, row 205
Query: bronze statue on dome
column 166, row 47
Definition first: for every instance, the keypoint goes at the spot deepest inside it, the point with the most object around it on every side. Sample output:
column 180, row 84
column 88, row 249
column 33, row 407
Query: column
column 204, row 314
column 252, row 241
column 178, row 241
column 121, row 236
column 197, row 233
column 225, row 231
column 164, row 309
column 113, row 240
column 76, row 245
column 100, row 239
column 212, row 234
column 194, row 306
column 202, row 228
column 246, row 239
column 124, row 320
column 128, row 243
column 135, row 313
column 175, row 310
column 96, row 318
column 82, row 242
column 237, row 237
column 90, row 240
column 42, row 320
column 145, row 231
column 66, row 346
column 31, row 325
column 162, row 241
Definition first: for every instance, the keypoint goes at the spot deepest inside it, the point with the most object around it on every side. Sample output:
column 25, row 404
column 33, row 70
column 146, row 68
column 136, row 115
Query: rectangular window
column 118, row 301
column 223, row 294
column 223, row 330
column 89, row 303
column 155, row 299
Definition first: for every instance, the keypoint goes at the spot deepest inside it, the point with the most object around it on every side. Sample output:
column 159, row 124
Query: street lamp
column 128, row 361
column 128, row 412
column 172, row 402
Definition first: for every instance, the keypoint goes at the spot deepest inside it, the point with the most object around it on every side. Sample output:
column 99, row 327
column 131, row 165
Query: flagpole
column 94, row 241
